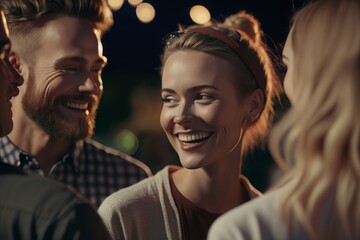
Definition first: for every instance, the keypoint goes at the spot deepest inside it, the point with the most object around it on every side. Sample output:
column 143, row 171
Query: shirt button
column 35, row 167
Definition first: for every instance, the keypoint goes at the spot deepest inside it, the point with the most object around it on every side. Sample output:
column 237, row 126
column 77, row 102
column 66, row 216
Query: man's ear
column 15, row 61
column 257, row 103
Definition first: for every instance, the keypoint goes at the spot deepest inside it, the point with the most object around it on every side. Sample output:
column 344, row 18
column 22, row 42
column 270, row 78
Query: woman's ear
column 257, row 103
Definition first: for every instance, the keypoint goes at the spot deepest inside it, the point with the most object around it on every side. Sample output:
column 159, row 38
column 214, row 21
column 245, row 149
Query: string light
column 115, row 4
column 145, row 12
column 135, row 2
column 199, row 14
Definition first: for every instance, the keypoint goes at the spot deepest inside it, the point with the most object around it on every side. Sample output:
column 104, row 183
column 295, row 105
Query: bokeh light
column 115, row 4
column 135, row 2
column 200, row 14
column 126, row 141
column 145, row 12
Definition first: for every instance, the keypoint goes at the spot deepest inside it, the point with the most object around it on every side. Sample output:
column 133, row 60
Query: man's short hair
column 22, row 15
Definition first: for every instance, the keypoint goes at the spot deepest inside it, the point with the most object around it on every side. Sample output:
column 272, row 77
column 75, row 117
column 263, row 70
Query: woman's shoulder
column 140, row 206
column 140, row 193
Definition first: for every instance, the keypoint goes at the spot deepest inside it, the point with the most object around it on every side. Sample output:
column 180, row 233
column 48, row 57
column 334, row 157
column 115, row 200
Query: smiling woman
column 218, row 84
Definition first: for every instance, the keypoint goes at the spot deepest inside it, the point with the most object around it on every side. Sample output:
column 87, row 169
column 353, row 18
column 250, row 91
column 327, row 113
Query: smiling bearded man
column 54, row 115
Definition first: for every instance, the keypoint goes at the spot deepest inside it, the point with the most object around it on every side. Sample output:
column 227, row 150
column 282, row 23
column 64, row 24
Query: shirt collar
column 10, row 154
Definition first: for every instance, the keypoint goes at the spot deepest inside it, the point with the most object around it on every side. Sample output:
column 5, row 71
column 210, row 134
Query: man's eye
column 69, row 69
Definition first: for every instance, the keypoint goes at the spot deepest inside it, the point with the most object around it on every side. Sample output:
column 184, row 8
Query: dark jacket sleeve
column 81, row 223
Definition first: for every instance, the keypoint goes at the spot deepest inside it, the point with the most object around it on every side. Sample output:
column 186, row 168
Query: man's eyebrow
column 71, row 58
column 80, row 59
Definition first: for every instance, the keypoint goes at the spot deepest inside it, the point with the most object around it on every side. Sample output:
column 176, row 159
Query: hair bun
column 246, row 24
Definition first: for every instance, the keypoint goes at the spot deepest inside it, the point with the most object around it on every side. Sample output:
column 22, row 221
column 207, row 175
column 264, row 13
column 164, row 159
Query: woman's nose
column 184, row 115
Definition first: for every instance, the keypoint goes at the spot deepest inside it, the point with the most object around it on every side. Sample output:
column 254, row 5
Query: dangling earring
column 251, row 118
column 239, row 140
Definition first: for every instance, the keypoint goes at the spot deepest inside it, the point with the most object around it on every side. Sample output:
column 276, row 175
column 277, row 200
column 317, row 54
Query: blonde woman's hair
column 320, row 135
column 245, row 29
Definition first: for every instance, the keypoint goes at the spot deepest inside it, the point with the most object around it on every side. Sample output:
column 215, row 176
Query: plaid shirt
column 92, row 169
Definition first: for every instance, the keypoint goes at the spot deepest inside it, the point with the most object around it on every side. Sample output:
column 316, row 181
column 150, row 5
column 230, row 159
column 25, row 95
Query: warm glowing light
column 116, row 4
column 145, row 12
column 135, row 2
column 199, row 14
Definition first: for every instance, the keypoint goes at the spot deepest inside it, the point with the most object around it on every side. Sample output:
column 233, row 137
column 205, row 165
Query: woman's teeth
column 193, row 137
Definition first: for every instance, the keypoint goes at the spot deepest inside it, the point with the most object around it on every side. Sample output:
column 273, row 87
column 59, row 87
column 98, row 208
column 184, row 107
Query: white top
column 147, row 210
column 256, row 219
column 260, row 219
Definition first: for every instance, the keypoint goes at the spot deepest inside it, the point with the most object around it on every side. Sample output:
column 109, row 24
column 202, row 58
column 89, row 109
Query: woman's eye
column 204, row 97
column 168, row 99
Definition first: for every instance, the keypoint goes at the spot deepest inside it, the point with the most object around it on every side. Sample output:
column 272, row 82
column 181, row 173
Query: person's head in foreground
column 318, row 140
column 321, row 133
column 10, row 80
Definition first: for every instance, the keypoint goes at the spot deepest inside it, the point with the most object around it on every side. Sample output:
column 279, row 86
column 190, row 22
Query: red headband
column 260, row 78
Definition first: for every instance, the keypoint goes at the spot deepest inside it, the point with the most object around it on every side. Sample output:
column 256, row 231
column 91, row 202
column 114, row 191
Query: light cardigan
column 147, row 210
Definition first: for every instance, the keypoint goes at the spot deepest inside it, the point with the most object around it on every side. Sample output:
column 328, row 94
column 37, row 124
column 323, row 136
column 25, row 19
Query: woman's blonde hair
column 245, row 29
column 320, row 135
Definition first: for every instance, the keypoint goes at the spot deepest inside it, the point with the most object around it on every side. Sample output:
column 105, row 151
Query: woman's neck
column 216, row 189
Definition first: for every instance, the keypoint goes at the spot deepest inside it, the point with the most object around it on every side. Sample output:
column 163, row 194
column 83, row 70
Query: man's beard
column 45, row 115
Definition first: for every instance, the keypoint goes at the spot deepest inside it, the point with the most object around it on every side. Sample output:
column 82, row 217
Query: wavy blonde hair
column 320, row 135
column 252, row 36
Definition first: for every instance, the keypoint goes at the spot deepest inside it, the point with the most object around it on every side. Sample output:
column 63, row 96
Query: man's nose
column 91, row 85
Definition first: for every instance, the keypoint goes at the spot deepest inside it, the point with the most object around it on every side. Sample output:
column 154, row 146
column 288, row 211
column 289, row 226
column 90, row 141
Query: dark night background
column 131, row 99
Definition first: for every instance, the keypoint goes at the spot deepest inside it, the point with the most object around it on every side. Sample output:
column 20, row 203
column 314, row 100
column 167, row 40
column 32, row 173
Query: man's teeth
column 78, row 106
column 194, row 137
